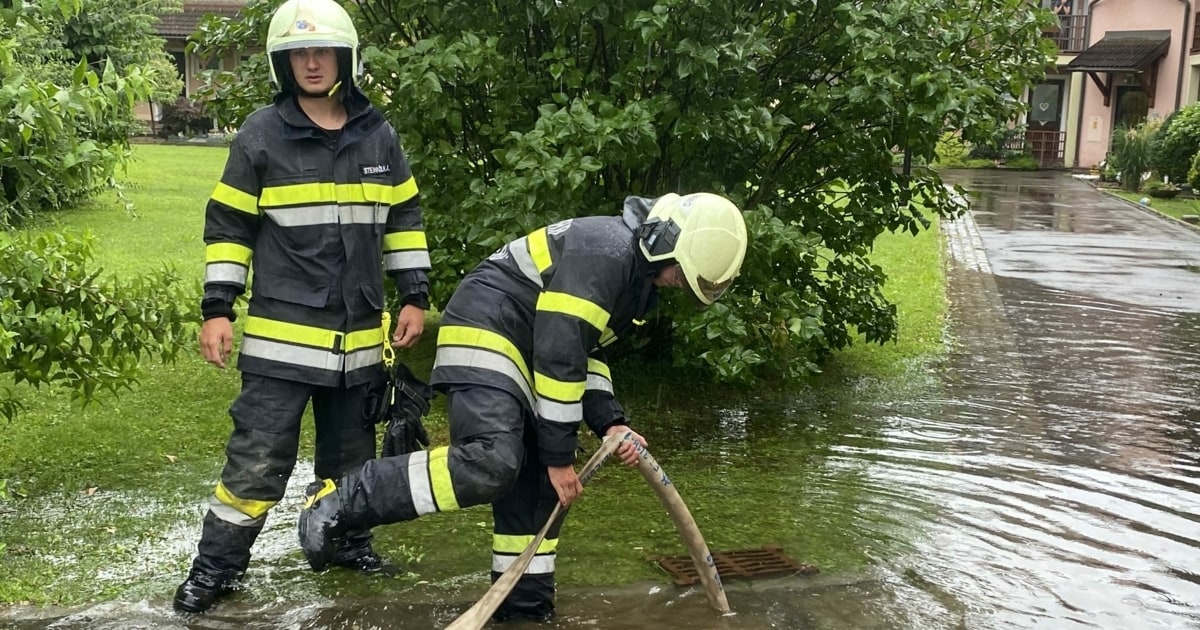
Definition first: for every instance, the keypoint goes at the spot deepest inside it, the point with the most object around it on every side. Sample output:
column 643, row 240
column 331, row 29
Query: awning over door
column 1135, row 52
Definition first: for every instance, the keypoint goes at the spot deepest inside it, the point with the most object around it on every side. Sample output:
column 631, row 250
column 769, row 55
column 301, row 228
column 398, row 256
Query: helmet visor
column 712, row 291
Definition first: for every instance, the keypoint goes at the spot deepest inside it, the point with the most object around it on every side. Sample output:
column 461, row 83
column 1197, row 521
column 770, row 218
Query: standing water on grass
column 1044, row 474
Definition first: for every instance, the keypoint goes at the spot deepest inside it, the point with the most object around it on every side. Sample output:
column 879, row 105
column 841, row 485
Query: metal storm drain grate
column 747, row 563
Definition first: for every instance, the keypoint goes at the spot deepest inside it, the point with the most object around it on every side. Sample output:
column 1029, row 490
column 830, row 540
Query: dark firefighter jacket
column 533, row 318
column 321, row 217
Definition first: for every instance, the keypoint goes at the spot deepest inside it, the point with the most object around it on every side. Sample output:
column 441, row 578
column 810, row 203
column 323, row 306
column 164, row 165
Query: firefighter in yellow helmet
column 520, row 359
column 317, row 197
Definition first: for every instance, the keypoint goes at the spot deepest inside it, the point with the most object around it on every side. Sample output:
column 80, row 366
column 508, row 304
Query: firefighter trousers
column 492, row 458
column 261, row 453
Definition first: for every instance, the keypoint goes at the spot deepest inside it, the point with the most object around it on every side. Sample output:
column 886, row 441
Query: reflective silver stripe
column 597, row 382
column 418, row 483
column 327, row 214
column 358, row 214
column 539, row 565
column 294, row 355
column 479, row 358
column 520, row 254
column 229, row 515
column 414, row 259
column 555, row 411
column 305, row 215
column 231, row 273
column 364, row 358
column 559, row 228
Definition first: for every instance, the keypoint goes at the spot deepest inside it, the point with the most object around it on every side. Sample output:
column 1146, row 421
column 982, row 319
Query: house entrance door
column 1132, row 106
column 1044, row 135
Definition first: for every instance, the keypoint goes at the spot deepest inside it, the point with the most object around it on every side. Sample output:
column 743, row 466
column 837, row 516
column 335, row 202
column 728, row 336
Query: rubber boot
column 322, row 527
column 355, row 553
column 224, row 554
column 201, row 590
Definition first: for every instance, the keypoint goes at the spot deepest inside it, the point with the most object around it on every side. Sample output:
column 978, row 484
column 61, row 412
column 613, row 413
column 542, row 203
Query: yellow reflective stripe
column 574, row 306
column 509, row 543
column 486, row 339
column 391, row 195
column 439, row 479
column 234, row 198
column 287, row 331
column 404, row 240
column 607, row 337
column 596, row 366
column 296, row 194
column 404, row 191
column 359, row 339
column 539, row 250
column 228, row 252
column 565, row 391
column 311, row 335
column 253, row 508
column 329, row 192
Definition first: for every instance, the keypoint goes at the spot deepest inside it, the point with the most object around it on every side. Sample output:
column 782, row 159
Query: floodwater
column 1047, row 474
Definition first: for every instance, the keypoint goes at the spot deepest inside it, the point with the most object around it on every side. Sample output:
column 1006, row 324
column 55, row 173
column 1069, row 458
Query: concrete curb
column 1148, row 209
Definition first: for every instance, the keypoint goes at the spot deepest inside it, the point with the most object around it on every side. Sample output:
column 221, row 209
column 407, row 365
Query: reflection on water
column 1047, row 477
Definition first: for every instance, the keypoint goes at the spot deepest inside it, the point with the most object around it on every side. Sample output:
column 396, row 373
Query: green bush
column 63, row 323
column 67, row 124
column 1193, row 178
column 1023, row 162
column 951, row 150
column 1132, row 151
column 1177, row 143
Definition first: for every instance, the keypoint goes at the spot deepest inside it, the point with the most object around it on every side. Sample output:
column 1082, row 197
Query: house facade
column 1120, row 62
column 175, row 28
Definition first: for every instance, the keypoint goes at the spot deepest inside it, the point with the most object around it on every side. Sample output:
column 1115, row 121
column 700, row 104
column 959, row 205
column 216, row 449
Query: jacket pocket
column 373, row 294
column 291, row 290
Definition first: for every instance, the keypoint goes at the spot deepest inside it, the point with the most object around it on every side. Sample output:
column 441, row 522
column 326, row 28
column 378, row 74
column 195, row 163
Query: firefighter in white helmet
column 520, row 359
column 317, row 197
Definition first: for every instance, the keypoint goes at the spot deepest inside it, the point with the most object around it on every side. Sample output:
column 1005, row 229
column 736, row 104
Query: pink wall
column 1130, row 15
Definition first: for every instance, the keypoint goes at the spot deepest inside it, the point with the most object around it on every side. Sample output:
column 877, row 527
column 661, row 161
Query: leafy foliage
column 520, row 112
column 229, row 96
column 1133, row 148
column 1177, row 143
column 1193, row 179
column 182, row 117
column 68, row 111
column 67, row 124
column 63, row 323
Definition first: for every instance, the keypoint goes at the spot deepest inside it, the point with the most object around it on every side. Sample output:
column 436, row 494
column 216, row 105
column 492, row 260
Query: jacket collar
column 361, row 118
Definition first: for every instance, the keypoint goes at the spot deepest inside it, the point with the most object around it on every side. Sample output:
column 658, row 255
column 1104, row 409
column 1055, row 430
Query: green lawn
column 105, row 502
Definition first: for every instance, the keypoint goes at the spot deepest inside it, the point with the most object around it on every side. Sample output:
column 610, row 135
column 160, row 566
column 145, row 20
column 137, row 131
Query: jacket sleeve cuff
column 556, row 458
column 212, row 308
column 413, row 287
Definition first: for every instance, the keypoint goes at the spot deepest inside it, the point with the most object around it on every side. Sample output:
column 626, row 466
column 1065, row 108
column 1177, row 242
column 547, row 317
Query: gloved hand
column 409, row 399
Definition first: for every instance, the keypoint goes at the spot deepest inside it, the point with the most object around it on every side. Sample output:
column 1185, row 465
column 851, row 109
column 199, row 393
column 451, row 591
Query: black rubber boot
column 321, row 526
column 201, row 590
column 368, row 563
column 355, row 553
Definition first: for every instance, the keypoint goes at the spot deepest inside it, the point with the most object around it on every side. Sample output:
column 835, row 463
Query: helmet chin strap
column 333, row 91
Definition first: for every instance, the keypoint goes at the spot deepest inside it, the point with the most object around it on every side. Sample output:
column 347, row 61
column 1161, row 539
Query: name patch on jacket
column 382, row 169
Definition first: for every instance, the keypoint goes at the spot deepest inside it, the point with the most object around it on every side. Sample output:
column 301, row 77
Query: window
column 204, row 62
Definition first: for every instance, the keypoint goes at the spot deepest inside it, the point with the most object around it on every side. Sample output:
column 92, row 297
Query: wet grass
column 1174, row 208
column 105, row 502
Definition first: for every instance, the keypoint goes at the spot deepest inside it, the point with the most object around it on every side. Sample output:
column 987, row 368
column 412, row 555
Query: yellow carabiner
column 389, row 353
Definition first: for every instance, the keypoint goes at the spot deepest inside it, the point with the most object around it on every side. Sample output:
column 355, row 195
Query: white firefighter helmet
column 704, row 233
column 310, row 24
